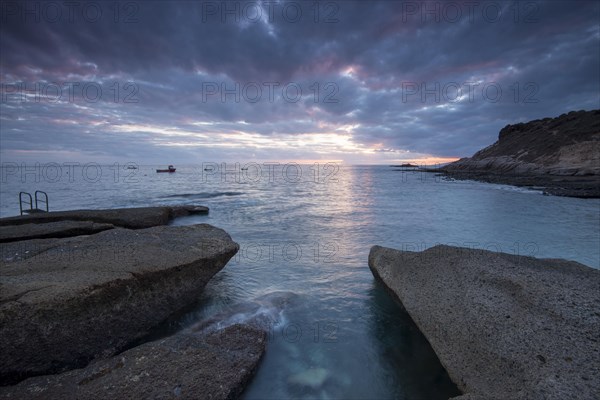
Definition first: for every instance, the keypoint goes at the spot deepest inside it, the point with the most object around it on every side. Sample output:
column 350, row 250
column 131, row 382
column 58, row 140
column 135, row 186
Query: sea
column 304, row 233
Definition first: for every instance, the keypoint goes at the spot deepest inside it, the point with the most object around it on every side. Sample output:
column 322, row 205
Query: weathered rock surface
column 560, row 154
column 132, row 218
column 70, row 300
column 59, row 229
column 183, row 366
column 504, row 326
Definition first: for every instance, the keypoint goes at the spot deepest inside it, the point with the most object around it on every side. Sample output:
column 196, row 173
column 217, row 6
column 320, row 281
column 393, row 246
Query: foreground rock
column 78, row 298
column 132, row 218
column 504, row 326
column 559, row 154
column 183, row 366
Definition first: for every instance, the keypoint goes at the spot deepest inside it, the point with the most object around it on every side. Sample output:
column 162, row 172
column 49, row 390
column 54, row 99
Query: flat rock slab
column 60, row 229
column 78, row 298
column 183, row 366
column 504, row 326
column 132, row 218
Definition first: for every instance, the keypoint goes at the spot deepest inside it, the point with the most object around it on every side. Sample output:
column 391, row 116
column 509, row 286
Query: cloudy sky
column 355, row 82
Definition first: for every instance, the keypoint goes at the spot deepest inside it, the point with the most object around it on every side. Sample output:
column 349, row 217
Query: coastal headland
column 558, row 155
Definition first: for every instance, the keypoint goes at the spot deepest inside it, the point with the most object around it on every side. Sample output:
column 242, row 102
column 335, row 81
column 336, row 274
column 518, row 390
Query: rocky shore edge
column 78, row 288
column 560, row 156
column 584, row 187
column 504, row 326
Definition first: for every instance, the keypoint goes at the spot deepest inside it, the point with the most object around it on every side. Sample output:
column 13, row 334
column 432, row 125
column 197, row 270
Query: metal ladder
column 43, row 198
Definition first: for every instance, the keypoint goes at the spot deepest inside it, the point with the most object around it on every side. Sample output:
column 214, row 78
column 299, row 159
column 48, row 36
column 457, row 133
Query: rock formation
column 131, row 218
column 560, row 154
column 504, row 326
column 65, row 301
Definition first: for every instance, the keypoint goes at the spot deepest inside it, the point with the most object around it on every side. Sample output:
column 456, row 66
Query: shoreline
column 583, row 187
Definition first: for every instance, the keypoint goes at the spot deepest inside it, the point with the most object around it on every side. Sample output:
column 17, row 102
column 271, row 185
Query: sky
column 254, row 81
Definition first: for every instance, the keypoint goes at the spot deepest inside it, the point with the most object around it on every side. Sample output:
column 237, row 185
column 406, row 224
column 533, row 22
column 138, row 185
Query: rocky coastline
column 78, row 288
column 560, row 156
column 504, row 326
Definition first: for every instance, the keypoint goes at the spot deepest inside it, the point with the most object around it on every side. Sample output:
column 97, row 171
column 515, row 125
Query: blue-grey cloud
column 210, row 79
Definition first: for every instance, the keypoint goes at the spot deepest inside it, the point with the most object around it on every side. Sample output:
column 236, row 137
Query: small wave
column 202, row 195
column 520, row 189
column 266, row 313
column 264, row 317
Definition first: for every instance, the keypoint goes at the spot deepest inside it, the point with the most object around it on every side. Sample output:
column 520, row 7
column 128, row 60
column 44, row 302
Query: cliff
column 559, row 154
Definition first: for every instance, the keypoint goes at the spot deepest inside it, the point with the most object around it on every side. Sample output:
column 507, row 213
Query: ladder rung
column 26, row 198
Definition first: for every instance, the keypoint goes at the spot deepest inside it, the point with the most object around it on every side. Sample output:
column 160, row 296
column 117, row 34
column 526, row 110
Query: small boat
column 131, row 167
column 209, row 169
column 169, row 169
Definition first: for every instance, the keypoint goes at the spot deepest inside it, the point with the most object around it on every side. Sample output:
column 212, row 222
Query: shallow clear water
column 337, row 333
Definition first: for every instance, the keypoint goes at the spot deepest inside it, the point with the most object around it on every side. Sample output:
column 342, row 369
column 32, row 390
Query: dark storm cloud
column 386, row 73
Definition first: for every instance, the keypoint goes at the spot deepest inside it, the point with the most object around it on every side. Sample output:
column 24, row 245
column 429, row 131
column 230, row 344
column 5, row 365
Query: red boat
column 170, row 169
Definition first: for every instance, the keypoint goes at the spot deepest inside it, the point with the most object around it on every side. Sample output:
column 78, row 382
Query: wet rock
column 131, row 218
column 71, row 300
column 183, row 366
column 504, row 326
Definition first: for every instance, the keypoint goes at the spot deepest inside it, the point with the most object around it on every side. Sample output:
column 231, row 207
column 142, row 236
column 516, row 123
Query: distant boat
column 170, row 169
column 131, row 167
column 245, row 169
column 208, row 168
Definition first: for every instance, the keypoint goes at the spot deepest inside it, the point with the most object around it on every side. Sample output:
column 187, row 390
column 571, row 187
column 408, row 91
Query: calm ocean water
column 305, row 235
